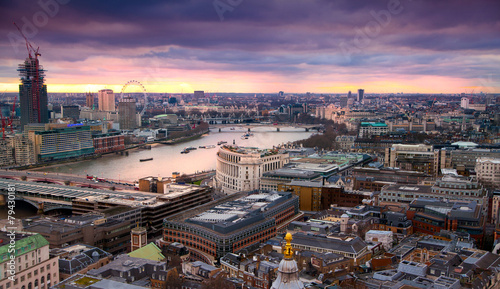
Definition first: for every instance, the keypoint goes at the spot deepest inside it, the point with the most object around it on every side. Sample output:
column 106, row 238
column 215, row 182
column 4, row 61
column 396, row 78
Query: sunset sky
column 321, row 46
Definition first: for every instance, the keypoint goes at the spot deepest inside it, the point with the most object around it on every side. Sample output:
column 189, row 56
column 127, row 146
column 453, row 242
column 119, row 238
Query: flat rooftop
column 237, row 210
column 126, row 198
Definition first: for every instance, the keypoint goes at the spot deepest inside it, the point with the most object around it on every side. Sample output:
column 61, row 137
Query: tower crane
column 35, row 98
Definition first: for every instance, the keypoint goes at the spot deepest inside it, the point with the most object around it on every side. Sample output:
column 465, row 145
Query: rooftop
column 350, row 245
column 241, row 212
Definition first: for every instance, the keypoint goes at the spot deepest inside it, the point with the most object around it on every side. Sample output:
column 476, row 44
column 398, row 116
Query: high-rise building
column 198, row 94
column 349, row 94
column 126, row 113
column 70, row 111
column 343, row 101
column 106, row 98
column 464, row 103
column 32, row 92
column 361, row 93
column 90, row 100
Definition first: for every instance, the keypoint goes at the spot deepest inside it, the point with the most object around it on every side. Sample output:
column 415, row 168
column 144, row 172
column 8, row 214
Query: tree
column 174, row 281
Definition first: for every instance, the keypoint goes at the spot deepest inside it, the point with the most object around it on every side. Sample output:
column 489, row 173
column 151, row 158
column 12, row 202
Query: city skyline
column 257, row 46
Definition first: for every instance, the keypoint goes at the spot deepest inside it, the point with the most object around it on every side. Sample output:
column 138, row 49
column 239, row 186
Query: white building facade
column 488, row 171
column 240, row 169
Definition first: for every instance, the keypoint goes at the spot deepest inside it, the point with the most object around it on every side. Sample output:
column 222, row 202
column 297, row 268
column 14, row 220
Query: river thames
column 168, row 158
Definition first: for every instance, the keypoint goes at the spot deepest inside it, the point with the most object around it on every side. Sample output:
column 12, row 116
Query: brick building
column 109, row 142
column 233, row 225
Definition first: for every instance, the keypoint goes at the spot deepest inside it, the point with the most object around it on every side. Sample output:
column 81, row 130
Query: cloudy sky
column 322, row 46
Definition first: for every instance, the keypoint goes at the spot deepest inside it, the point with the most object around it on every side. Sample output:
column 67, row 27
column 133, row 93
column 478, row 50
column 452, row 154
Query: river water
column 168, row 159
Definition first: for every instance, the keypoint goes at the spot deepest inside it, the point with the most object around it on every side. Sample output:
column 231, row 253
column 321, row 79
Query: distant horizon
column 210, row 93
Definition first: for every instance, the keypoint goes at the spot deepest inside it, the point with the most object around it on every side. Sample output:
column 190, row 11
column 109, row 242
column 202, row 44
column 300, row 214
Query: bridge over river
column 48, row 197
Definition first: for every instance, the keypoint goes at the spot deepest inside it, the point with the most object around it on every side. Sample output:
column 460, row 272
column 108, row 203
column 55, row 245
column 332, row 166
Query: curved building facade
column 232, row 226
column 240, row 169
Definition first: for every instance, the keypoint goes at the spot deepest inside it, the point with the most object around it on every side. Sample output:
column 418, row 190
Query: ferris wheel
column 143, row 91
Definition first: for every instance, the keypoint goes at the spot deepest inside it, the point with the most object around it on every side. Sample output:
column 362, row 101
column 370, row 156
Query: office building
column 106, row 98
column 271, row 180
column 368, row 129
column 240, row 169
column 446, row 188
column 420, row 158
column 389, row 175
column 464, row 160
column 111, row 234
column 61, row 143
column 108, row 142
column 7, row 156
column 488, row 172
column 314, row 196
column 33, row 267
column 464, row 103
column 70, row 111
column 361, row 94
column 176, row 198
column 32, row 93
column 343, row 101
column 24, row 150
column 231, row 226
column 345, row 142
column 90, row 101
column 126, row 113
column 198, row 94
column 430, row 216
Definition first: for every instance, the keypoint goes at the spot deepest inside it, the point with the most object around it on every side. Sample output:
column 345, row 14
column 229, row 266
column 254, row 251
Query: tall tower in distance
column 106, row 98
column 32, row 92
column 126, row 113
column 90, row 100
column 361, row 93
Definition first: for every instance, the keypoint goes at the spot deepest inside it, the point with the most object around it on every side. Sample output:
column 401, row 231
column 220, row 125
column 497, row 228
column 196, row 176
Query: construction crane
column 35, row 99
column 410, row 117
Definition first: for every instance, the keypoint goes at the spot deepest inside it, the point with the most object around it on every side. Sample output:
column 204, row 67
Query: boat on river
column 221, row 142
column 145, row 160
